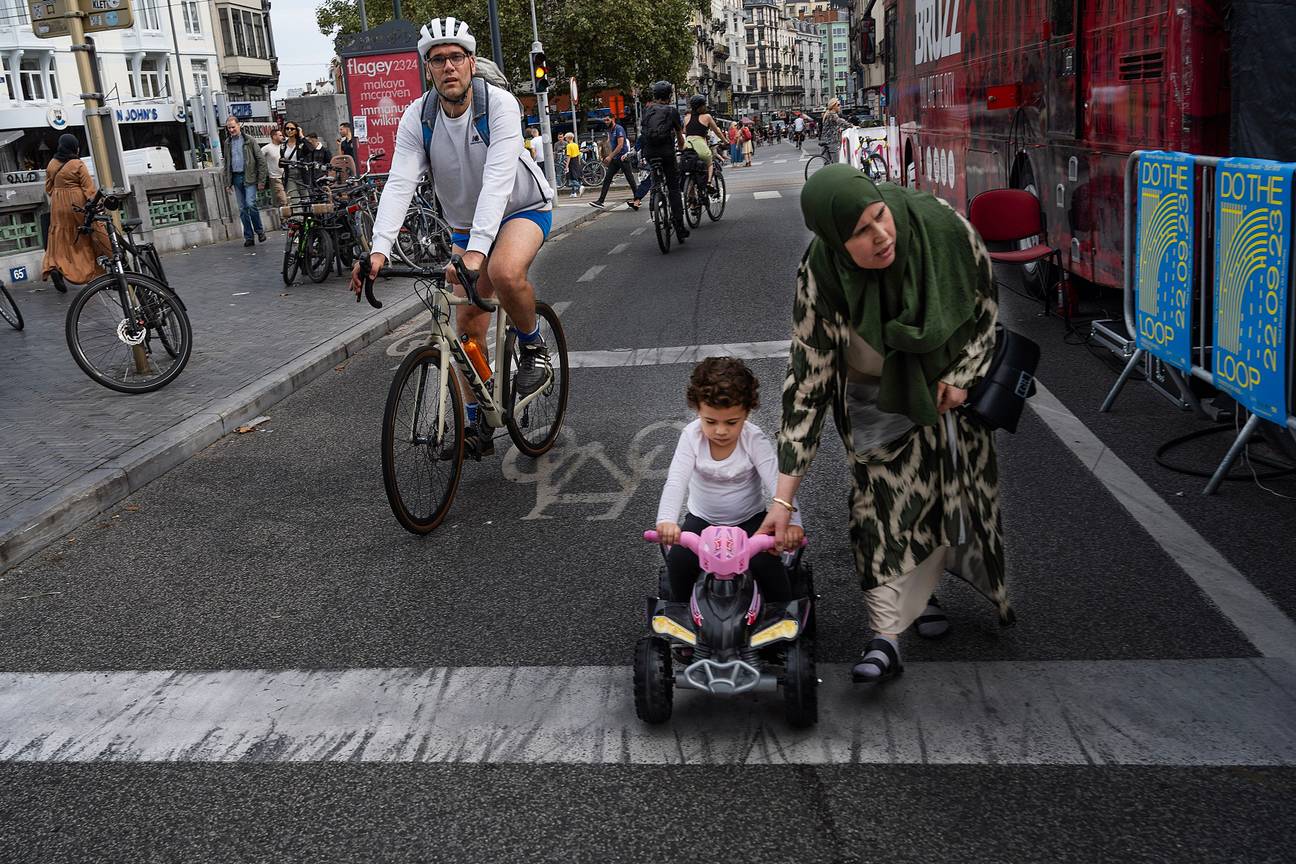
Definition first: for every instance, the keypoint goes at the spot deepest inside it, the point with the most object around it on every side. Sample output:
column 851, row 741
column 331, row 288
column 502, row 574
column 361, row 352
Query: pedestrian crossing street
column 1204, row 712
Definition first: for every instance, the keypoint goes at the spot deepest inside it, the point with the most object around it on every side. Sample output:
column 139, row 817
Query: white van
column 146, row 160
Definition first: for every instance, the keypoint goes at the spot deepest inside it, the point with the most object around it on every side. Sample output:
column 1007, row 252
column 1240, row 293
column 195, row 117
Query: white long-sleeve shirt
column 725, row 492
column 477, row 186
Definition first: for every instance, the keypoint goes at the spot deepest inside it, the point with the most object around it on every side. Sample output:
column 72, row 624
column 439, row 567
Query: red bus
column 1052, row 96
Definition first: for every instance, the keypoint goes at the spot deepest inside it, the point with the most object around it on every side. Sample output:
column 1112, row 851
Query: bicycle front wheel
column 114, row 344
column 661, row 220
column 535, row 428
column 319, row 253
column 292, row 253
column 9, row 309
column 422, row 452
column 814, row 164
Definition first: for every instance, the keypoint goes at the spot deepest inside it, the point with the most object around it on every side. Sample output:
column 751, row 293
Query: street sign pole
column 575, row 129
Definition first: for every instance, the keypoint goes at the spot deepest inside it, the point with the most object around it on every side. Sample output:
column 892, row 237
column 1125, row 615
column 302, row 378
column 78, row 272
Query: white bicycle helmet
column 445, row 31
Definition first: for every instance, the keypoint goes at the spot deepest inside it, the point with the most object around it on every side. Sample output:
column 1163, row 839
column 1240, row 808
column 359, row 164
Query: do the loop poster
column 1253, row 210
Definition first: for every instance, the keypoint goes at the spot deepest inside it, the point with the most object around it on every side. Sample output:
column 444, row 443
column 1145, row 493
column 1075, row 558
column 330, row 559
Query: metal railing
column 1202, row 274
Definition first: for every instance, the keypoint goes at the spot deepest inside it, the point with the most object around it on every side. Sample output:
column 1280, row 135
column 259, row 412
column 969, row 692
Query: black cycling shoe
column 681, row 232
column 479, row 441
column 533, row 370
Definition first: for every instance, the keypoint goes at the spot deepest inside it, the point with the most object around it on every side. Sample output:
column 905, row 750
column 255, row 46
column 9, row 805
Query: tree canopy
column 621, row 45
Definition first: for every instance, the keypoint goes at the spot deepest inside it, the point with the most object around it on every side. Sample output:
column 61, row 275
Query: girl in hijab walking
column 70, row 256
column 893, row 322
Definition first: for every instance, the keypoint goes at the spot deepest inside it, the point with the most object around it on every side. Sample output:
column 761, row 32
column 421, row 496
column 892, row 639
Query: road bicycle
column 875, row 165
column 697, row 196
column 424, row 418
column 9, row 310
column 116, row 323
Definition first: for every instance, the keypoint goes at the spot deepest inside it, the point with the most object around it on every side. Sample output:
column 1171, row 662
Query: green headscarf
column 919, row 312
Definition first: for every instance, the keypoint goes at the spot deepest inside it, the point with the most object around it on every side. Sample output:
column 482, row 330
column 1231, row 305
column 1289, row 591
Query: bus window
column 1063, row 17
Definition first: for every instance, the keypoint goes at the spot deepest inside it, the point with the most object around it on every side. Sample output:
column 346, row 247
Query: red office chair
column 1011, row 216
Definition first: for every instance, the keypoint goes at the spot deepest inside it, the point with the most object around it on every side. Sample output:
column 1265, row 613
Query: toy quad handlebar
column 722, row 550
column 693, row 542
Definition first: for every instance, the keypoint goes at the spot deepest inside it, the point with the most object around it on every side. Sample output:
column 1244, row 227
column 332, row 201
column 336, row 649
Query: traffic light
column 539, row 72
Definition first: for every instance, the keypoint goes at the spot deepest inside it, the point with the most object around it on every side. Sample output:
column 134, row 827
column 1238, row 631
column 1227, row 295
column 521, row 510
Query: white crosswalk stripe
column 772, row 193
column 1163, row 712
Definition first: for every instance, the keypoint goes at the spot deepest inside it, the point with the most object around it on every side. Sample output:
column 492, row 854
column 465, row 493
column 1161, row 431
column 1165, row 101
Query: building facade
column 773, row 74
column 834, row 26
column 810, row 54
column 249, row 67
column 867, row 72
column 717, row 65
column 147, row 71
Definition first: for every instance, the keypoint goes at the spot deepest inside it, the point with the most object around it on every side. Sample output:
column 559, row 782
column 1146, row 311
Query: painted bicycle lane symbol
column 584, row 477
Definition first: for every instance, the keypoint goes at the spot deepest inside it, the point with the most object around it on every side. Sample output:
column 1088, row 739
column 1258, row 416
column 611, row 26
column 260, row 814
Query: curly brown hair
column 723, row 382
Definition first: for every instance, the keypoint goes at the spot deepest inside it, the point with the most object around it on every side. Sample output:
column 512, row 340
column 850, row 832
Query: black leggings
column 683, row 568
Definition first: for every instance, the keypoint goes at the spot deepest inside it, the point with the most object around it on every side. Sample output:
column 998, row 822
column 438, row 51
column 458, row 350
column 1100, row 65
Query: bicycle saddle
column 129, row 225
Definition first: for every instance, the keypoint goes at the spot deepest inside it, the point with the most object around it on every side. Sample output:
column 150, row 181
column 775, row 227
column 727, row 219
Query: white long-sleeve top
column 725, row 492
column 477, row 186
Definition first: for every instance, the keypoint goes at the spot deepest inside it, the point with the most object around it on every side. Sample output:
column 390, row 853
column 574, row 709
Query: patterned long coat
column 912, row 495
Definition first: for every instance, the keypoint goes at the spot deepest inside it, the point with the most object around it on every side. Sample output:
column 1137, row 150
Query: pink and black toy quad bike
column 726, row 637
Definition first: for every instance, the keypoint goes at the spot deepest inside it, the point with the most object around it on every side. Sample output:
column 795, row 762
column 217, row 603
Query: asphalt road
column 276, row 550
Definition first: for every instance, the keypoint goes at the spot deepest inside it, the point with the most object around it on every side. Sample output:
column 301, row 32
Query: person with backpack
column 662, row 132
column 466, row 133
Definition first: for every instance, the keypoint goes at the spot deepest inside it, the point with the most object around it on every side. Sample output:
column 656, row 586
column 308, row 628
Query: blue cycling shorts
column 543, row 218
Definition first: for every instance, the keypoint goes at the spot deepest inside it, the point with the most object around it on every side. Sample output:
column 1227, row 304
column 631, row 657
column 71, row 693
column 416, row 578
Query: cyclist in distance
column 467, row 136
column 662, row 131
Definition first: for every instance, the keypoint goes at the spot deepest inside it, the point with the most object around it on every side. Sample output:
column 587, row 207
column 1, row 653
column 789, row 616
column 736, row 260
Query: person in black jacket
column 346, row 143
column 662, row 132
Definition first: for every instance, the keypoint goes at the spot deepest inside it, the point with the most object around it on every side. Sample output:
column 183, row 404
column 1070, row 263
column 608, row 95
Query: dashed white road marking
column 780, row 161
column 639, row 230
column 620, row 247
column 772, row 193
column 592, row 272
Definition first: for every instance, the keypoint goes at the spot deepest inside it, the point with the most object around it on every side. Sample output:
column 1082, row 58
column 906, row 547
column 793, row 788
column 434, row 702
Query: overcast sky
column 304, row 53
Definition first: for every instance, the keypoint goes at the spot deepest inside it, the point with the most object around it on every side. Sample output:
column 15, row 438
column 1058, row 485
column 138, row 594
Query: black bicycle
column 9, row 309
column 117, row 323
column 698, row 195
column 659, row 206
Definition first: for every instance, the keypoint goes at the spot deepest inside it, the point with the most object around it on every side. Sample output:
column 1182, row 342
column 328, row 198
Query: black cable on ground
column 1281, row 469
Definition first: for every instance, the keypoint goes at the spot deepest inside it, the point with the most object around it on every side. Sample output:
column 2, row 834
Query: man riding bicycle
column 467, row 136
column 661, row 130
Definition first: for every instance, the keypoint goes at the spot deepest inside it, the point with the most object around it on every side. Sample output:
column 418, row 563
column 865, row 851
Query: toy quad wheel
column 800, row 693
column 654, row 681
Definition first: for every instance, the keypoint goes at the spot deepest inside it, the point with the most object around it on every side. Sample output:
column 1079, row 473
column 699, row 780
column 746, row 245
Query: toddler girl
column 728, row 469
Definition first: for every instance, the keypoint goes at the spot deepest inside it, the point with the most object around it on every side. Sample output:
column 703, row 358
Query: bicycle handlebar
column 693, row 542
column 467, row 278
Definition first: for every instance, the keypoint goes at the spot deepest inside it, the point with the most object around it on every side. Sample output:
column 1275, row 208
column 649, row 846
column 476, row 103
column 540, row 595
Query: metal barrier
column 1256, row 230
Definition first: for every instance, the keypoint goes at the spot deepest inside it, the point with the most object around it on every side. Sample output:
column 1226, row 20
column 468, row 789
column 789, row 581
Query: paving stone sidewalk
column 61, row 430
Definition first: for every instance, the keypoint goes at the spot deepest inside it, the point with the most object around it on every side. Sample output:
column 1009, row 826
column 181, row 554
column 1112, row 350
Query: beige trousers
column 893, row 607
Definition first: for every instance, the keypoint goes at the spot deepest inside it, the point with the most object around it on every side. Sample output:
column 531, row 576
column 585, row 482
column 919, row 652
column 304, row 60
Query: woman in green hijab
column 893, row 322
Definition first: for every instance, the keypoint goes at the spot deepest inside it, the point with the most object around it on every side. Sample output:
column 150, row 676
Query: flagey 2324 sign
column 379, row 87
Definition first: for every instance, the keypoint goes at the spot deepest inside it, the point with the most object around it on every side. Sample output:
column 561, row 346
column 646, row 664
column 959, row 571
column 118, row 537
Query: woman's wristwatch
column 787, row 504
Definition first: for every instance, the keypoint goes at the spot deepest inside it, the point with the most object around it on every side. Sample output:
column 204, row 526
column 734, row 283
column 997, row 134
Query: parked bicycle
column 9, row 309
column 424, row 238
column 423, row 422
column 592, row 168
column 116, row 323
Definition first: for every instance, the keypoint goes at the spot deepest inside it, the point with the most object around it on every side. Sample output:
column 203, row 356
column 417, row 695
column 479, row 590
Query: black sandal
column 872, row 670
column 933, row 623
